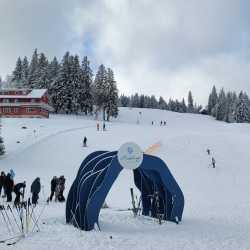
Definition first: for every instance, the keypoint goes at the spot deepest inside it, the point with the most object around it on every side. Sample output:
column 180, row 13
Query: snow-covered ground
column 217, row 201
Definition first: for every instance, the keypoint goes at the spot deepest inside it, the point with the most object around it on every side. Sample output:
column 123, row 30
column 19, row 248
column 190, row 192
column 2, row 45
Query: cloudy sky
column 163, row 47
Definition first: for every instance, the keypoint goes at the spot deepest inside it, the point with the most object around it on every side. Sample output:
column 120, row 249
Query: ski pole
column 5, row 219
column 9, row 220
column 39, row 216
column 14, row 217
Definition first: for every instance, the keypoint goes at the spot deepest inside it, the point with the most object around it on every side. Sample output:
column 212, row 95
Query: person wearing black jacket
column 61, row 187
column 19, row 191
column 9, row 184
column 2, row 183
column 53, row 185
column 35, row 190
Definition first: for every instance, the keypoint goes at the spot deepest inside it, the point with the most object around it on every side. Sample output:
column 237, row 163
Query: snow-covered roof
column 37, row 93
column 34, row 93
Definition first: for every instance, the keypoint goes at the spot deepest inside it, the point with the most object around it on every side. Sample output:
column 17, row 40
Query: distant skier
column 213, row 162
column 61, row 187
column 104, row 127
column 19, row 190
column 208, row 151
column 85, row 141
column 9, row 184
column 53, row 185
column 161, row 123
column 98, row 126
column 2, row 183
column 165, row 123
column 35, row 190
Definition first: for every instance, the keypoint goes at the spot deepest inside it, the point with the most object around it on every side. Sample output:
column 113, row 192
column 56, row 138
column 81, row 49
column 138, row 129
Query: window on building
column 29, row 110
column 16, row 110
column 6, row 110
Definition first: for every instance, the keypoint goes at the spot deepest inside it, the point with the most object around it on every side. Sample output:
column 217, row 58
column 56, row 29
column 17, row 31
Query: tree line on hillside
column 228, row 106
column 71, row 85
column 144, row 101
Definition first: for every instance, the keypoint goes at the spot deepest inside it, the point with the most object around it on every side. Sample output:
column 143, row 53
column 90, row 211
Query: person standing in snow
column 19, row 191
column 53, row 185
column 104, row 127
column 152, row 122
column 61, row 187
column 161, row 123
column 208, row 151
column 2, row 183
column 85, row 141
column 165, row 123
column 98, row 126
column 213, row 162
column 35, row 190
column 9, row 184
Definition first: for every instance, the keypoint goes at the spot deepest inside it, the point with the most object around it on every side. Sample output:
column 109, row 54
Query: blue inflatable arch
column 96, row 176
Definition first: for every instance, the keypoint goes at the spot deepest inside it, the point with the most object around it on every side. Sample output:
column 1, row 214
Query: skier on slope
column 97, row 126
column 208, row 151
column 85, row 141
column 53, row 185
column 9, row 184
column 213, row 162
column 35, row 190
column 104, row 127
column 19, row 191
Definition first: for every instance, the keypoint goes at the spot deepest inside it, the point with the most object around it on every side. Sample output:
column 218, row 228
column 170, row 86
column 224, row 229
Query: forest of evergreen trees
column 229, row 107
column 71, row 85
column 73, row 88
column 144, row 101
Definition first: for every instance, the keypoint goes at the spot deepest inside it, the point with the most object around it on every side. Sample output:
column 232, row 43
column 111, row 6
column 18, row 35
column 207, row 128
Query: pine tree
column 212, row 100
column 59, row 88
column 221, row 106
column 183, row 106
column 111, row 106
column 32, row 77
column 17, row 74
column 162, row 104
column 190, row 102
column 2, row 148
column 41, row 80
column 53, row 70
column 85, row 91
column 100, row 89
column 25, row 70
column 242, row 108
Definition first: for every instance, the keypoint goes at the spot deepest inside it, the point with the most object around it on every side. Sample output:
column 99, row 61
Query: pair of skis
column 135, row 208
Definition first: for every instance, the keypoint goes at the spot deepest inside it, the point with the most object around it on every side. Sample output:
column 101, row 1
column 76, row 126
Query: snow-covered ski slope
column 217, row 201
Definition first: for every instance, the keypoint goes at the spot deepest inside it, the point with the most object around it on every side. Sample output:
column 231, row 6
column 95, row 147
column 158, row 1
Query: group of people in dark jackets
column 7, row 187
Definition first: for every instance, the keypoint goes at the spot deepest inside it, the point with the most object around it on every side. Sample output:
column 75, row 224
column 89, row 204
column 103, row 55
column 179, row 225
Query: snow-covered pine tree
column 41, row 80
column 162, row 104
column 85, row 90
column 212, row 100
column 221, row 106
column 100, row 89
column 111, row 106
column 124, row 101
column 25, row 70
column 183, row 106
column 59, row 88
column 17, row 74
column 32, row 76
column 242, row 108
column 53, row 69
column 190, row 102
column 153, row 101
column 2, row 148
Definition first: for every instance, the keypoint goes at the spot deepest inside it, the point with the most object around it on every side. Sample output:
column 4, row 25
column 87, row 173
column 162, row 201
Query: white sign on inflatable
column 130, row 156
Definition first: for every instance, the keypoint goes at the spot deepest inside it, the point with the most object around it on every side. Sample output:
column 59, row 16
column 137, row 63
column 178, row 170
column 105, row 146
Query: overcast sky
column 160, row 47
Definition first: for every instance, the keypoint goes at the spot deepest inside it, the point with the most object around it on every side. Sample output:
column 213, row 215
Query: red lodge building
column 24, row 103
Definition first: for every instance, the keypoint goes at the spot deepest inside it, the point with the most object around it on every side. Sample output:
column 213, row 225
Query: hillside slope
column 217, row 203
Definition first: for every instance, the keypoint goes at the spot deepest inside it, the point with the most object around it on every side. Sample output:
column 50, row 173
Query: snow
column 217, row 201
column 34, row 93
